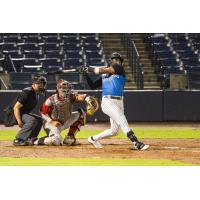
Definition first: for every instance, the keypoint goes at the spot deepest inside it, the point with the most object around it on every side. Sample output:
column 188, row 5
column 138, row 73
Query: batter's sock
column 92, row 138
column 132, row 136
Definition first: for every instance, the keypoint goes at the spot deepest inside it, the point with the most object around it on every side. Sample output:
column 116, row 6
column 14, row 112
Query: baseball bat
column 77, row 69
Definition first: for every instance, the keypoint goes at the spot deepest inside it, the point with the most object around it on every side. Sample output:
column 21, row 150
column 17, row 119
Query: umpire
column 29, row 123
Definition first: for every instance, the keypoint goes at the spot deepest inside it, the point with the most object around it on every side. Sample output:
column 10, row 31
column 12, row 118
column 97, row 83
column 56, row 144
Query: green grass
column 88, row 162
column 140, row 132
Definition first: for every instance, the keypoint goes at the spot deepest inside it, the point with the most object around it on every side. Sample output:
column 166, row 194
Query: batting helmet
column 117, row 55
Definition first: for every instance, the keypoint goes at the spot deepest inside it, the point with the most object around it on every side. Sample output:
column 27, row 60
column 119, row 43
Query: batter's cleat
column 140, row 146
column 97, row 144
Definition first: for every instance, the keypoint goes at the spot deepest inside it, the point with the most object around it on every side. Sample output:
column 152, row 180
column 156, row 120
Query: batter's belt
column 113, row 97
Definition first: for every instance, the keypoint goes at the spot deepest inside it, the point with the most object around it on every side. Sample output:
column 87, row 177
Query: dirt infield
column 185, row 150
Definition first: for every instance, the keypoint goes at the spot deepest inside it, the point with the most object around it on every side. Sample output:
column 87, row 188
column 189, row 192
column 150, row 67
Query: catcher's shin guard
column 74, row 128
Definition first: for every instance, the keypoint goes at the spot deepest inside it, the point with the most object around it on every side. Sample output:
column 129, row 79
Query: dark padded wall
column 142, row 105
column 181, row 106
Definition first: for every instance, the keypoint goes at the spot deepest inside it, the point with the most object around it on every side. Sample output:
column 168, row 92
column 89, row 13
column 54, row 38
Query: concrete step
column 150, row 80
column 144, row 59
column 151, row 83
column 145, row 56
column 147, row 65
column 150, row 71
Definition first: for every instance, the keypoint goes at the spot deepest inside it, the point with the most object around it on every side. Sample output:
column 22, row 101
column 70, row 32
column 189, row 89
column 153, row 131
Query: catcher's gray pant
column 53, row 132
column 114, row 108
column 31, row 128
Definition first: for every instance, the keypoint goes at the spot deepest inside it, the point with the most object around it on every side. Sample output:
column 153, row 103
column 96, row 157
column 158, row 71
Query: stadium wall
column 144, row 105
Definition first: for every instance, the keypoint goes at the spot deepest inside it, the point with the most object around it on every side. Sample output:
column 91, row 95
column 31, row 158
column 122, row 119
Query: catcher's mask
column 64, row 88
column 117, row 55
column 38, row 79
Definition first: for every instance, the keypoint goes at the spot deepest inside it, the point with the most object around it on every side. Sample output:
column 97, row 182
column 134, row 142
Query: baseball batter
column 58, row 116
column 112, row 81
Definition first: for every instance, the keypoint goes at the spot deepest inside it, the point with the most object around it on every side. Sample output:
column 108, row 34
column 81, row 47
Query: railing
column 134, row 60
column 4, row 84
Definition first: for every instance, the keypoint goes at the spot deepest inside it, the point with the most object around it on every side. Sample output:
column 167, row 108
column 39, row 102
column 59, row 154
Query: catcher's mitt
column 91, row 105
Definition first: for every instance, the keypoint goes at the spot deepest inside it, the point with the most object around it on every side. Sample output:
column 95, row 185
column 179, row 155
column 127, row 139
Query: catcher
column 58, row 116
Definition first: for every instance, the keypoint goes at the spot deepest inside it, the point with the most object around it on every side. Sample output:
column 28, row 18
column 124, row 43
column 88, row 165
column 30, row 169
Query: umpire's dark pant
column 31, row 128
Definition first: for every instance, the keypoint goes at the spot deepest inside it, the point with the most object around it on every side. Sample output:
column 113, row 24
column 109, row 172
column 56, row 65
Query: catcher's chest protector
column 61, row 109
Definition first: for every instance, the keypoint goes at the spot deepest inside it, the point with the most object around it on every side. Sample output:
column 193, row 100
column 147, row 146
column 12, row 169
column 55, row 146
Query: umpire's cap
column 39, row 79
column 117, row 55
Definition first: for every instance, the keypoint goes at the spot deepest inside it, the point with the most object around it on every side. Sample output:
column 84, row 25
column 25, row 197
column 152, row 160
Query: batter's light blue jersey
column 113, row 85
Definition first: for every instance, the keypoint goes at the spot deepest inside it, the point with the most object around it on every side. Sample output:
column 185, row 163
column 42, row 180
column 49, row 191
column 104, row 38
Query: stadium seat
column 30, row 35
column 13, row 40
column 51, row 47
column 164, row 54
column 92, row 46
column 191, row 61
column 31, row 65
column 71, row 46
column 70, row 40
column 87, row 35
column 49, row 35
column 90, row 39
column 159, row 40
column 33, row 54
column 160, row 47
column 33, row 40
column 186, row 53
column 55, row 54
column 52, row 64
column 9, row 47
column 10, row 35
column 73, row 62
column 93, row 54
column 29, row 47
column 96, row 61
column 52, row 40
column 74, row 54
column 68, row 35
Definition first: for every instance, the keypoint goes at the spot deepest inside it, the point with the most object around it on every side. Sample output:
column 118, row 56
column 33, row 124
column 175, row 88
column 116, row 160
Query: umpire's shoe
column 140, row 146
column 20, row 142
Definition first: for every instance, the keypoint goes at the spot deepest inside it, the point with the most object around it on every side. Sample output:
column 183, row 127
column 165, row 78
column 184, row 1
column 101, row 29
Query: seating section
column 43, row 52
column 177, row 53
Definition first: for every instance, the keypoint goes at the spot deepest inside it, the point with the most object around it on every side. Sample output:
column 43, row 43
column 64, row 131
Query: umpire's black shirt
column 28, row 98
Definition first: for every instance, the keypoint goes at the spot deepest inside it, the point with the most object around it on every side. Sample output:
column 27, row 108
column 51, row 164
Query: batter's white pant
column 114, row 108
column 54, row 133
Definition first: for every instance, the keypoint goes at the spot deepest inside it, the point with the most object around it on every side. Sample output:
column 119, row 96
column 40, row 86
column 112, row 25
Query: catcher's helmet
column 117, row 55
column 64, row 87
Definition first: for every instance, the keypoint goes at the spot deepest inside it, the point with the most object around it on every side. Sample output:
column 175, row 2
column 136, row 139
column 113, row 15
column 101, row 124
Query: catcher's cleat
column 97, row 144
column 140, row 146
column 69, row 140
